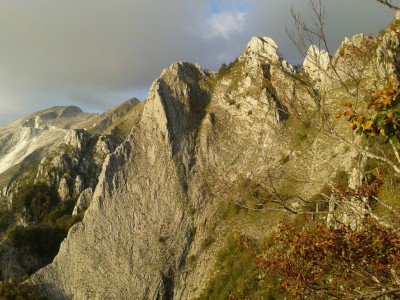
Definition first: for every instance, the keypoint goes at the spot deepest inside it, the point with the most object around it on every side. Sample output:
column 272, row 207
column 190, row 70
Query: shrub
column 37, row 200
column 6, row 219
column 236, row 274
column 18, row 291
column 223, row 69
column 40, row 241
column 319, row 262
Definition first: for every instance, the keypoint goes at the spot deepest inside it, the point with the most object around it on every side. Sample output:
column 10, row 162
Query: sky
column 96, row 54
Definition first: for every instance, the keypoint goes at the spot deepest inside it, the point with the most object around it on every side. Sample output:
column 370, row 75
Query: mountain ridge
column 173, row 186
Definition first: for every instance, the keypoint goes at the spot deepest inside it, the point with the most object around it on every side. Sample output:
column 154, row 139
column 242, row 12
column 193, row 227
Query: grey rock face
column 83, row 201
column 77, row 138
column 152, row 206
column 40, row 150
column 387, row 54
column 64, row 191
column 316, row 65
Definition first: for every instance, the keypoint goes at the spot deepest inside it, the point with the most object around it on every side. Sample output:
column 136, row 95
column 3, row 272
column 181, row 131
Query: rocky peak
column 263, row 50
column 387, row 52
column 77, row 138
column 316, row 64
column 55, row 118
column 264, row 47
column 70, row 111
column 177, row 100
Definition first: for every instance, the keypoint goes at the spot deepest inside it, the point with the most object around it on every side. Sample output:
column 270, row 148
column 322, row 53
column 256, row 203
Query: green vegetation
column 35, row 201
column 41, row 241
column 18, row 291
column 120, row 129
column 341, row 179
column 207, row 242
column 6, row 218
column 237, row 275
column 49, row 219
column 299, row 132
column 225, row 69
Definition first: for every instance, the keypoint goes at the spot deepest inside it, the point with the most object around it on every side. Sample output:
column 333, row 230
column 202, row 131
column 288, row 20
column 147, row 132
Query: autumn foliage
column 382, row 118
column 319, row 262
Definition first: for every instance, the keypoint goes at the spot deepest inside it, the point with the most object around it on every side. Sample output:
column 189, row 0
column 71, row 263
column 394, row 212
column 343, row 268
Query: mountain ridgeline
column 140, row 202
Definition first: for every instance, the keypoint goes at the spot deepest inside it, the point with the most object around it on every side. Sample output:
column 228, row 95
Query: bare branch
column 389, row 4
column 377, row 295
column 396, row 152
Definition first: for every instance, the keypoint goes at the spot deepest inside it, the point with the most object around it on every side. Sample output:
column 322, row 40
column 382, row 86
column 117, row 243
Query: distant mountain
column 54, row 154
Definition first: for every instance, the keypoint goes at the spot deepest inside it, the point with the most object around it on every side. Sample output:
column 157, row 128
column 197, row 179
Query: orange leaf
column 388, row 100
column 345, row 103
column 390, row 92
column 349, row 113
column 338, row 115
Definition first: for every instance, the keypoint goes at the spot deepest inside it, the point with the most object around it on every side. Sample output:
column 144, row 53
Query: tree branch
column 395, row 291
column 389, row 4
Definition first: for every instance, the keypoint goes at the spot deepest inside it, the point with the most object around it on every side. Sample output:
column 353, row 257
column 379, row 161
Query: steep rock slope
column 151, row 206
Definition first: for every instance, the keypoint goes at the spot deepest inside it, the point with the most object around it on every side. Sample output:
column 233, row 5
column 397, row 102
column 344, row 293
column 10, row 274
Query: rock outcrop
column 316, row 65
column 83, row 202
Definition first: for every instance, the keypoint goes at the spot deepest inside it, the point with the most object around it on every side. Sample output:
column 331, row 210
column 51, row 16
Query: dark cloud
column 98, row 53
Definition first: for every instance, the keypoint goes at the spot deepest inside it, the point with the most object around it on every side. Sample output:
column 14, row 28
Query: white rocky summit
column 263, row 46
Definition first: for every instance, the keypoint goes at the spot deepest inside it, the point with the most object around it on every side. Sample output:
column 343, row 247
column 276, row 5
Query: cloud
column 225, row 24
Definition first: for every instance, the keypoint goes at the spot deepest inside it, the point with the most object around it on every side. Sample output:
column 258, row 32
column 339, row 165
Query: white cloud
column 224, row 24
